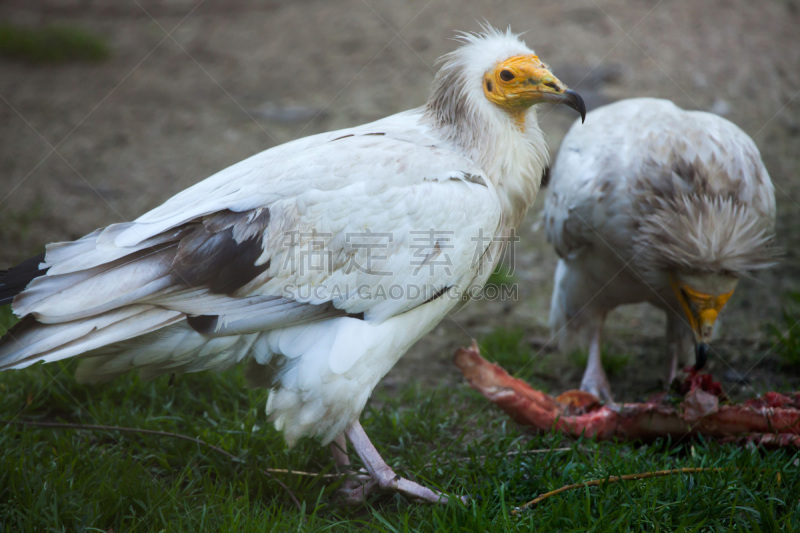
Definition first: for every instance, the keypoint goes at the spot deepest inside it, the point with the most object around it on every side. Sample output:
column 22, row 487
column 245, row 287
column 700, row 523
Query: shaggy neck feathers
column 698, row 215
column 707, row 235
column 512, row 150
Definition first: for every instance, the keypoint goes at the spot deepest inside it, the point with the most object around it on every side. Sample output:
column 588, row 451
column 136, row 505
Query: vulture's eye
column 506, row 75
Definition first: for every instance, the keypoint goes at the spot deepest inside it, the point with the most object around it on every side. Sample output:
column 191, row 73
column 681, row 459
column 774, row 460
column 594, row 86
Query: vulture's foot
column 597, row 384
column 594, row 379
column 356, row 487
column 379, row 475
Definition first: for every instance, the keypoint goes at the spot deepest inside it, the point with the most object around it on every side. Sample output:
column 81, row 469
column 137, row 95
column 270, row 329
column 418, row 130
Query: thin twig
column 504, row 454
column 196, row 440
column 614, row 479
column 301, row 473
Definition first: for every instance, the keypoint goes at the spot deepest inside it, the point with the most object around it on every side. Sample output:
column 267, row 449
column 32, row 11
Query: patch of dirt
column 193, row 87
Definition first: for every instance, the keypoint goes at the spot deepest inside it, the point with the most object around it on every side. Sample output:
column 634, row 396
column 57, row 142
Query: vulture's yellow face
column 702, row 297
column 522, row 81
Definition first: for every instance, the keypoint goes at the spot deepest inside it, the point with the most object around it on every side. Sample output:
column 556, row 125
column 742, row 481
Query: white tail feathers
column 86, row 293
column 29, row 342
column 177, row 348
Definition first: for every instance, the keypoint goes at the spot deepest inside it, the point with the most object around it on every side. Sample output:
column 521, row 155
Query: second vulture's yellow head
column 702, row 297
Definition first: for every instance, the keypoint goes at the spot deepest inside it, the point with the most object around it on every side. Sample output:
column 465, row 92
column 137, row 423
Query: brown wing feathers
column 14, row 280
column 221, row 252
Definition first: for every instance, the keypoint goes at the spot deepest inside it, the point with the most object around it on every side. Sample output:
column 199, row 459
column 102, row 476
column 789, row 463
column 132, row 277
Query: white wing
column 319, row 228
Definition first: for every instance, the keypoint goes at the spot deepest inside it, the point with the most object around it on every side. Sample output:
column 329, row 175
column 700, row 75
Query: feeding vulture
column 651, row 203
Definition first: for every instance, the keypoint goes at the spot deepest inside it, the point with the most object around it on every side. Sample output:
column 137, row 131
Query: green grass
column 502, row 275
column 613, row 361
column 17, row 224
column 7, row 319
column 786, row 335
column 51, row 44
column 449, row 438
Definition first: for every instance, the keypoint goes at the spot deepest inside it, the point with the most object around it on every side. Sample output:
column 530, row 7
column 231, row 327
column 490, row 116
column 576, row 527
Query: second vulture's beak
column 701, row 351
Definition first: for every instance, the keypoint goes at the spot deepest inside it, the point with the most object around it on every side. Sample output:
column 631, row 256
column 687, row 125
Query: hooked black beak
column 574, row 100
column 701, row 351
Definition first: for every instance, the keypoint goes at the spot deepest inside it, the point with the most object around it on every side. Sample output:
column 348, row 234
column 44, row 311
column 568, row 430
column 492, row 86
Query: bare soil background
column 193, row 87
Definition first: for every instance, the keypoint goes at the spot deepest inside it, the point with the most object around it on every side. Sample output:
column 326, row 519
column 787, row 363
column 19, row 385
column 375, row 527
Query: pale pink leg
column 680, row 344
column 672, row 367
column 594, row 378
column 381, row 474
column 357, row 484
column 339, row 452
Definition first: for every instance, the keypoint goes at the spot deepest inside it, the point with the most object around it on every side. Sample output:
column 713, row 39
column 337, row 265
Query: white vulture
column 320, row 261
column 651, row 203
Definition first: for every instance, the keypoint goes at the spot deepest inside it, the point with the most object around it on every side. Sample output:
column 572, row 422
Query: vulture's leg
column 381, row 474
column 358, row 484
column 339, row 452
column 680, row 343
column 594, row 378
column 673, row 347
